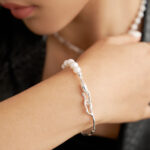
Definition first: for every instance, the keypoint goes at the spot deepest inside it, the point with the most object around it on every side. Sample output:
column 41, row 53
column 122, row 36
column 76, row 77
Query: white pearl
column 134, row 27
column 74, row 65
column 141, row 15
column 77, row 70
column 144, row 2
column 66, row 62
column 135, row 33
column 63, row 66
column 138, row 20
column 143, row 8
column 70, row 61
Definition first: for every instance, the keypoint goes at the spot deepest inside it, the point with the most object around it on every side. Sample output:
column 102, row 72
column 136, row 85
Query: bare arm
column 49, row 113
column 44, row 116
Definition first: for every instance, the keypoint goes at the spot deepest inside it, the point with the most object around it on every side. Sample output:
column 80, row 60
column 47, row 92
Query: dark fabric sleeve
column 136, row 135
column 88, row 143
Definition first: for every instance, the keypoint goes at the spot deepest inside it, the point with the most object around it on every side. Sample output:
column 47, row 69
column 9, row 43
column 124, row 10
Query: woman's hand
column 117, row 72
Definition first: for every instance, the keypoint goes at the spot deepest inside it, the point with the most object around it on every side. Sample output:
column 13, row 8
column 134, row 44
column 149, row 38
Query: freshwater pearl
column 70, row 61
column 135, row 33
column 134, row 27
column 144, row 1
column 76, row 70
column 63, row 66
column 74, row 65
column 143, row 8
column 138, row 20
column 141, row 14
column 65, row 62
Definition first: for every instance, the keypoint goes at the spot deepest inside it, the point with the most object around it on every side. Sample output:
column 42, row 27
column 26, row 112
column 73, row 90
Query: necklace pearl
column 133, row 29
column 139, row 17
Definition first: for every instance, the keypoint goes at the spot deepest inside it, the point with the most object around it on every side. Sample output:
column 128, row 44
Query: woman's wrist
column 97, row 91
column 52, row 109
column 76, row 99
column 87, row 100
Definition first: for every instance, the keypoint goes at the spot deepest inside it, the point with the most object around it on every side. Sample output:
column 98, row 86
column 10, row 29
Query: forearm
column 43, row 116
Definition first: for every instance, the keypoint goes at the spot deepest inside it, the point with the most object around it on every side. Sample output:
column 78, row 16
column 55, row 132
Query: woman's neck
column 99, row 19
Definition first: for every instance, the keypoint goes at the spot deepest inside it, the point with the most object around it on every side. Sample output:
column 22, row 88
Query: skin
column 70, row 18
column 47, row 19
column 102, row 26
column 129, row 99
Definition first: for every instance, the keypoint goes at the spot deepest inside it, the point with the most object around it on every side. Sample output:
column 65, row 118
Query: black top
column 21, row 66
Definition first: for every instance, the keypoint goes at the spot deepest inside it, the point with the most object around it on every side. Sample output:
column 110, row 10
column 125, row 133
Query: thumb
column 130, row 37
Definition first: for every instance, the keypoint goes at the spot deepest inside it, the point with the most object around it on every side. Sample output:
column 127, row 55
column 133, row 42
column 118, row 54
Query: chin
column 41, row 31
column 43, row 28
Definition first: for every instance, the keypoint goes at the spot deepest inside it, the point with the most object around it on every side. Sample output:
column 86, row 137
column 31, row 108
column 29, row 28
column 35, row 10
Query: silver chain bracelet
column 85, row 92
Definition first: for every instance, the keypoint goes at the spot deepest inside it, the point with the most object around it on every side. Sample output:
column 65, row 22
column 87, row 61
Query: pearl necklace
column 133, row 28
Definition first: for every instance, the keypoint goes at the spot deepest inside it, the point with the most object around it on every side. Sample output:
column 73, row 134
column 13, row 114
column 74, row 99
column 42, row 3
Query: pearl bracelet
column 85, row 92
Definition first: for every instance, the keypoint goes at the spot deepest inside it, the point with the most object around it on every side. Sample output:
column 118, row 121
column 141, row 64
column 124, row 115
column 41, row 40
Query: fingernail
column 136, row 34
